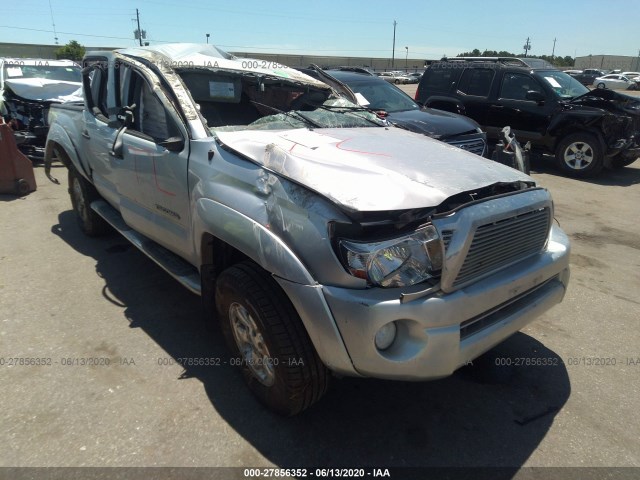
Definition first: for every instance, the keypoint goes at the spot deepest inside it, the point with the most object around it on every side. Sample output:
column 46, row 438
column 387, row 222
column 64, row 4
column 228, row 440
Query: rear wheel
column 268, row 340
column 580, row 155
column 82, row 194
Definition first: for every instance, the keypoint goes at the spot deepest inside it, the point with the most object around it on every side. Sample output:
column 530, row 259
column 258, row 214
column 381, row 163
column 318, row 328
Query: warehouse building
column 609, row 62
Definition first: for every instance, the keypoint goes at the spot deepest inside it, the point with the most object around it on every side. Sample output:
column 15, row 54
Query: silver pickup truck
column 325, row 240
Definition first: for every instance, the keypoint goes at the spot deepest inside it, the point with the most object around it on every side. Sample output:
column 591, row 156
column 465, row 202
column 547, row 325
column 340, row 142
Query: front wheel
column 268, row 340
column 601, row 85
column 580, row 155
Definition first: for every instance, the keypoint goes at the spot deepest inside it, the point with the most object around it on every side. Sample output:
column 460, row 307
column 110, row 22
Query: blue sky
column 428, row 28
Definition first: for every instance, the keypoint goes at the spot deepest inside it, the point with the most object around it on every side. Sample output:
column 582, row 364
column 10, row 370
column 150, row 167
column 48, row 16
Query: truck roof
column 196, row 55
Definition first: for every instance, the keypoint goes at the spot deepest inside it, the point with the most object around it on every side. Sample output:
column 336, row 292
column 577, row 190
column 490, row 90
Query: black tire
column 601, row 86
column 22, row 187
column 251, row 305
column 82, row 194
column 580, row 155
column 396, row 81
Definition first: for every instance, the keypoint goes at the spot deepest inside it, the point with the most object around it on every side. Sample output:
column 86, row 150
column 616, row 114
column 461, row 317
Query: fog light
column 385, row 336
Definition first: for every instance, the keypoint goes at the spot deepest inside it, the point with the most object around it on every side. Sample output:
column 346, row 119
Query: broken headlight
column 399, row 262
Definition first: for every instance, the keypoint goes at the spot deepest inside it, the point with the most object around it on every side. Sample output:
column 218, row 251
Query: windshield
column 383, row 96
column 67, row 73
column 230, row 101
column 564, row 86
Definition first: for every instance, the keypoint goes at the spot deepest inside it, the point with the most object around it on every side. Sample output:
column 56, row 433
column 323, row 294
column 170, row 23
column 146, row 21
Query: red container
column 16, row 170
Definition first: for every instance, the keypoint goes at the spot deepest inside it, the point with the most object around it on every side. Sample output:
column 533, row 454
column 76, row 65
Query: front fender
column 251, row 238
column 266, row 249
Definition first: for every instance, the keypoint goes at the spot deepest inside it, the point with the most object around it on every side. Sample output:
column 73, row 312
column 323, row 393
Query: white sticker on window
column 553, row 82
column 14, row 71
column 221, row 90
column 361, row 100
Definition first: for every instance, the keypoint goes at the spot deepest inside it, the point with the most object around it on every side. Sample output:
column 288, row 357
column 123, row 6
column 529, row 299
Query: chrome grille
column 474, row 145
column 446, row 238
column 496, row 245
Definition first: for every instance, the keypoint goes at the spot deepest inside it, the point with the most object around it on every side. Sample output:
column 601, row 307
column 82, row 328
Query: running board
column 182, row 271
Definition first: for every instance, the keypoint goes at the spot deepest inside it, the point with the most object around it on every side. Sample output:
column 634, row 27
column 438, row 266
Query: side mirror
column 126, row 119
column 535, row 96
column 173, row 144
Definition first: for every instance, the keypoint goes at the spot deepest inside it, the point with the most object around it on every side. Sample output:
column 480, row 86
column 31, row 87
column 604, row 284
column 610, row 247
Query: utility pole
column 527, row 47
column 406, row 58
column 393, row 52
column 140, row 31
column 554, row 48
column 207, row 37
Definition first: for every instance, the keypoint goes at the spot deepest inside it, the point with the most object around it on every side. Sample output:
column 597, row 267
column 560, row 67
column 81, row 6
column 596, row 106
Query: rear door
column 97, row 136
column 473, row 90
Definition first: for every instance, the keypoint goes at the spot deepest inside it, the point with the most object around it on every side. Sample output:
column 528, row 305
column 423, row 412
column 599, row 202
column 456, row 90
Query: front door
column 528, row 119
column 151, row 174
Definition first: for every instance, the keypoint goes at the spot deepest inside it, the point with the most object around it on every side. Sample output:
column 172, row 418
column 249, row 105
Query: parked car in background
column 615, row 82
column 401, row 110
column 414, row 77
column 394, row 77
column 572, row 72
column 348, row 68
column 588, row 75
column 585, row 130
column 634, row 77
column 28, row 87
column 631, row 75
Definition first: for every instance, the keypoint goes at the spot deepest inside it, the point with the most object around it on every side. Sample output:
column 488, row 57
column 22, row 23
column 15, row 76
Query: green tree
column 71, row 51
column 557, row 61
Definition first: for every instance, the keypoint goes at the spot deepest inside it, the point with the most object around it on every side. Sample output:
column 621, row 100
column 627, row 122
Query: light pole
column 393, row 52
column 405, row 58
column 207, row 37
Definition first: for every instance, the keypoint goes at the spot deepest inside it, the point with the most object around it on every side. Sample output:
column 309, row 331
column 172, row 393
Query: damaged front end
column 619, row 123
column 28, row 120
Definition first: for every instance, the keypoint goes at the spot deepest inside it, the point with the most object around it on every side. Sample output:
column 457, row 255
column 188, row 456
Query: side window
column 150, row 115
column 476, row 81
column 96, row 83
column 516, row 85
column 440, row 79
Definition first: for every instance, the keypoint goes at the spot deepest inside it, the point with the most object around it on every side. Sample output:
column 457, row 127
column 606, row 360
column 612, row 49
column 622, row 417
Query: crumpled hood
column 370, row 169
column 434, row 123
column 42, row 89
column 609, row 100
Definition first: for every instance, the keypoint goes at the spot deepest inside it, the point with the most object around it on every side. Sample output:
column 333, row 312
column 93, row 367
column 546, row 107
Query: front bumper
column 438, row 332
column 442, row 332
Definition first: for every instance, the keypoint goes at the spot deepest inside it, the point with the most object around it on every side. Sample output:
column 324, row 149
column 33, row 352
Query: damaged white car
column 326, row 240
column 28, row 87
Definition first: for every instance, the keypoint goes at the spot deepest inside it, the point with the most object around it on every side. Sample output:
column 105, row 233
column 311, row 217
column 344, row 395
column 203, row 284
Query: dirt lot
column 65, row 299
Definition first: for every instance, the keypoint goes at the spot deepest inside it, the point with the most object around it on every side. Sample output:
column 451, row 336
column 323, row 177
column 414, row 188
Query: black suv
column 398, row 108
column 584, row 129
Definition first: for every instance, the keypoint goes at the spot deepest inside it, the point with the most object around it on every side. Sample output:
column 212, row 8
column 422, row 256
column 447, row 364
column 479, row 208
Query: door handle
column 496, row 107
column 85, row 134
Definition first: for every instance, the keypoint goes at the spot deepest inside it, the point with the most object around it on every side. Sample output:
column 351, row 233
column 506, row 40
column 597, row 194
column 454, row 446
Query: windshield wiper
column 293, row 114
column 352, row 110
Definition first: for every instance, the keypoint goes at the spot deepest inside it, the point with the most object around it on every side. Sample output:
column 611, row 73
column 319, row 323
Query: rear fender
column 59, row 139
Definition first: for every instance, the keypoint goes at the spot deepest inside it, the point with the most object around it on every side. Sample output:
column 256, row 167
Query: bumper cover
column 439, row 333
